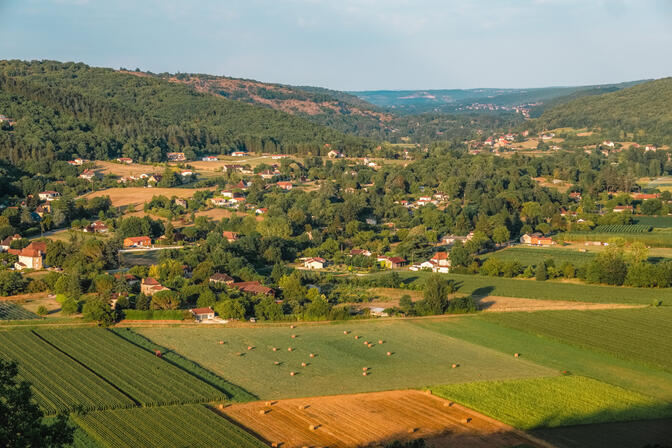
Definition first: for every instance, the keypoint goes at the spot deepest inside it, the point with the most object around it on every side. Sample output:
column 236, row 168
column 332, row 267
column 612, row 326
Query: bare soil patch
column 373, row 419
column 497, row 304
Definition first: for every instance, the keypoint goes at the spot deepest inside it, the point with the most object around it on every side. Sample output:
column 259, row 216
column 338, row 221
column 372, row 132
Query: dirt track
column 372, row 419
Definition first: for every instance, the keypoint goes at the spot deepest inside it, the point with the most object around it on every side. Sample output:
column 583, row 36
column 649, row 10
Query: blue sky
column 354, row 44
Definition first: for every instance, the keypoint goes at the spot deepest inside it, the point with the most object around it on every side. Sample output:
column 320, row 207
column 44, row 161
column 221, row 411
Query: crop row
column 143, row 376
column 165, row 426
column 12, row 311
column 59, row 384
column 621, row 228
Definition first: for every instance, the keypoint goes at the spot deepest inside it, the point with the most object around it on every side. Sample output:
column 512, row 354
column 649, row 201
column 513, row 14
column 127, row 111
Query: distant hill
column 470, row 100
column 341, row 111
column 63, row 109
column 644, row 110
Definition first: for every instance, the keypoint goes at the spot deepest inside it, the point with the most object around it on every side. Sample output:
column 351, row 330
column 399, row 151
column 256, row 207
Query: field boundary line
column 198, row 377
column 124, row 393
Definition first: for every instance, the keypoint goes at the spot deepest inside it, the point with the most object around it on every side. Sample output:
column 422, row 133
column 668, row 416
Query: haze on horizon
column 354, row 44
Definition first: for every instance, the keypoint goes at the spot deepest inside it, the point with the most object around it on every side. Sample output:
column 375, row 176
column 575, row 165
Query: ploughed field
column 417, row 357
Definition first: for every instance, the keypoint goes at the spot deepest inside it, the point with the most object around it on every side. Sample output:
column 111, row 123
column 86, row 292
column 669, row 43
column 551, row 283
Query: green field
column 643, row 335
column 559, row 355
column 233, row 392
column 550, row 402
column 420, row 357
column 12, row 311
column 622, row 228
column 165, row 426
column 147, row 379
column 654, row 221
column 59, row 383
column 657, row 238
column 534, row 255
column 550, row 290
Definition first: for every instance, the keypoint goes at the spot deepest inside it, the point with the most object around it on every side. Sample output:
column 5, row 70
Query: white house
column 49, row 195
column 201, row 314
column 315, row 263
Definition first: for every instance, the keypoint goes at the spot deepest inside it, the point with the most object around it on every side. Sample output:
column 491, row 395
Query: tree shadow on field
column 480, row 293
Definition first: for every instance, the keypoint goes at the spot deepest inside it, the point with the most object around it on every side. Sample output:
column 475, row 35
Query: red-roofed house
column 230, row 236
column 623, row 208
column 285, row 185
column 221, row 278
column 7, row 242
column 151, row 286
column 253, row 288
column 126, row 160
column 137, row 241
column 394, row 262
column 441, row 259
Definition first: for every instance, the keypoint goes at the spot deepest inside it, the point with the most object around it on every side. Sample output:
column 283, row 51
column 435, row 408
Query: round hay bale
column 262, row 412
column 356, row 337
column 365, row 373
column 448, row 404
column 277, row 363
column 365, row 369
column 467, row 420
column 389, row 353
column 516, row 355
column 345, row 332
column 221, row 342
column 239, row 354
column 303, row 364
column 312, row 427
column 380, row 341
column 292, row 373
column 411, row 430
column 292, row 326
column 312, row 355
column 220, row 406
column 302, row 407
column 369, row 345
column 366, row 342
column 454, row 366
column 249, row 347
column 269, row 403
column 290, row 349
column 428, row 392
column 275, row 445
column 293, row 336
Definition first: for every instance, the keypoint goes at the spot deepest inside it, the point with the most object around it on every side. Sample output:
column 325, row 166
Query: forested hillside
column 642, row 113
column 62, row 110
column 344, row 112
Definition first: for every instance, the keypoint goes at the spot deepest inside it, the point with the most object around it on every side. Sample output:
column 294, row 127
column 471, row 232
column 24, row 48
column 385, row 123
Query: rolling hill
column 643, row 111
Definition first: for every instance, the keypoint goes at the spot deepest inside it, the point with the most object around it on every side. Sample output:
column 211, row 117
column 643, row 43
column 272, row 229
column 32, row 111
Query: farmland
column 122, row 197
column 60, row 384
column 550, row 402
column 656, row 238
column 128, row 367
column 534, row 255
column 418, row 357
column 643, row 335
column 165, row 426
column 370, row 419
column 559, row 355
column 481, row 286
column 13, row 311
column 619, row 228
column 654, row 221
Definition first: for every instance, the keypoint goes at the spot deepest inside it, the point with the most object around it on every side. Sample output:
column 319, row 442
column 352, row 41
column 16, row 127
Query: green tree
column 541, row 273
column 21, row 421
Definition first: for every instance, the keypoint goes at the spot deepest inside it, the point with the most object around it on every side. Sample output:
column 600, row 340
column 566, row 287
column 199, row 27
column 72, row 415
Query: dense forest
column 102, row 113
column 641, row 113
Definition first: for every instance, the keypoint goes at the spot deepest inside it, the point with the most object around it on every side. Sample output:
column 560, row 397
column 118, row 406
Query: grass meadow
column 419, row 357
column 551, row 402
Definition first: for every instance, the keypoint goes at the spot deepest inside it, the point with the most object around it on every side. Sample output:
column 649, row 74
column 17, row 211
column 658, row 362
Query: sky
column 354, row 44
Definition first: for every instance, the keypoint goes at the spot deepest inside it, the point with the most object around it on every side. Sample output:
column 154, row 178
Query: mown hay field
column 373, row 419
column 643, row 335
column 656, row 238
column 121, row 197
column 550, row 402
column 165, row 426
column 418, row 357
column 13, row 311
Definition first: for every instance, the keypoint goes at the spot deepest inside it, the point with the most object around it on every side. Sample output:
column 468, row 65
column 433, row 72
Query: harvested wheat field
column 138, row 195
column 123, row 169
column 498, row 304
column 372, row 419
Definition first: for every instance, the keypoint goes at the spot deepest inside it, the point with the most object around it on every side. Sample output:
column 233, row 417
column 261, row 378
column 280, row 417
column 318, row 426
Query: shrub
column 42, row 310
